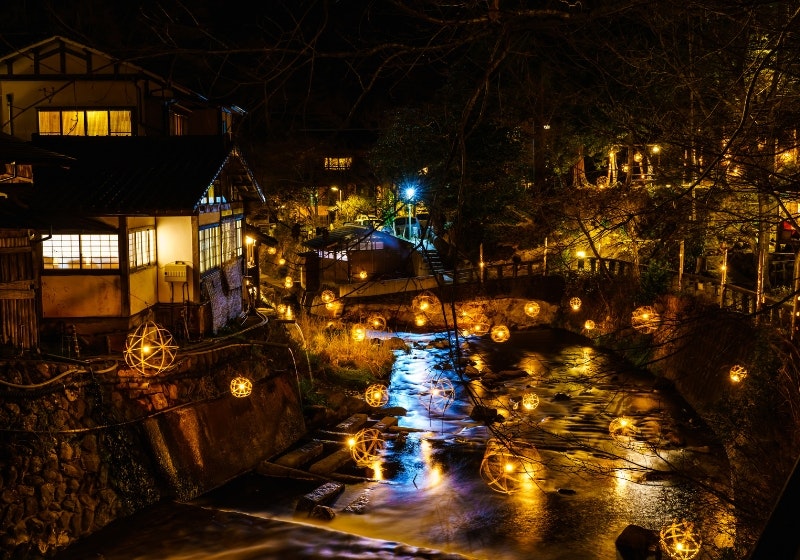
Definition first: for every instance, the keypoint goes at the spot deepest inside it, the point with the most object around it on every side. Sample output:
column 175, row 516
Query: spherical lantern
column 359, row 332
column 424, row 302
column 575, row 303
column 680, row 540
column 362, row 275
column 500, row 333
column 281, row 261
column 738, row 373
column 645, row 319
column 327, row 296
column 532, row 309
column 507, row 471
column 288, row 282
column 530, row 401
column 589, row 325
column 366, row 446
column 271, row 250
column 241, row 387
column 420, row 320
column 376, row 395
column 623, row 430
column 376, row 322
column 437, row 394
column 480, row 328
column 149, row 349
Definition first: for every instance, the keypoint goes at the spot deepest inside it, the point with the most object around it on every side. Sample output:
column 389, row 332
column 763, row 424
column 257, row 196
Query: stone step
column 321, row 496
column 301, row 456
column 332, row 462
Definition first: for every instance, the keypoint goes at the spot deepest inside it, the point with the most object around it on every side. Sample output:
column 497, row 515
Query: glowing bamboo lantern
column 271, row 250
column 738, row 373
column 645, row 319
column 530, row 401
column 420, row 320
column 376, row 322
column 500, row 333
column 281, row 261
column 680, row 541
column 241, row 387
column 480, row 328
column 424, row 303
column 327, row 296
column 288, row 282
column 359, row 332
column 589, row 325
column 362, row 275
column 623, row 430
column 532, row 309
column 149, row 349
column 507, row 471
column 437, row 394
column 376, row 395
column 575, row 303
column 366, row 446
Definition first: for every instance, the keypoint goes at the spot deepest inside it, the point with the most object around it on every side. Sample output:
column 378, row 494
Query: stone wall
column 83, row 446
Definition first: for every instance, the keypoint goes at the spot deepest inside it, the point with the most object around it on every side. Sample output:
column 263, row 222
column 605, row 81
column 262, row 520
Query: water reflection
column 573, row 495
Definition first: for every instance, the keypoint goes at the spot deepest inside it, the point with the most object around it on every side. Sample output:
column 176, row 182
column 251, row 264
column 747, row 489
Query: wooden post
column 681, row 256
column 795, row 295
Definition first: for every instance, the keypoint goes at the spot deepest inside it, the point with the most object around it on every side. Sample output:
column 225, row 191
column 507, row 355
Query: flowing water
column 427, row 498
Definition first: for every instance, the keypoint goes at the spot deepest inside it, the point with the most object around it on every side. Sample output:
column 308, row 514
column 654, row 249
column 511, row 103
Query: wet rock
column 481, row 413
column 324, row 494
column 566, row 491
column 472, row 372
column 322, row 512
column 637, row 543
column 561, row 397
column 393, row 411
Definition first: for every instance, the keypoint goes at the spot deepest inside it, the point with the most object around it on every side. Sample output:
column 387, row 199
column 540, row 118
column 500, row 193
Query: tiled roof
column 130, row 174
column 16, row 150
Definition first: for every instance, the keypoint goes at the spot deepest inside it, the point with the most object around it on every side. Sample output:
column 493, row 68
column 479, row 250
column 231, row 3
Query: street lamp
column 337, row 189
column 410, row 192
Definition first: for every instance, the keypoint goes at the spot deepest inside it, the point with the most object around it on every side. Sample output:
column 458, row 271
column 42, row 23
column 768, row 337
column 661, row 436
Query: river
column 427, row 497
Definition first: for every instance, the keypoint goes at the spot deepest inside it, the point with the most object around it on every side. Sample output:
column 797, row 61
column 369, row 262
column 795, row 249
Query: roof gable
column 135, row 175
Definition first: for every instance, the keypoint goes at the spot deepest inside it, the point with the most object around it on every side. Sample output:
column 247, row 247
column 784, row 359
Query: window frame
column 84, row 119
column 82, row 250
column 136, row 239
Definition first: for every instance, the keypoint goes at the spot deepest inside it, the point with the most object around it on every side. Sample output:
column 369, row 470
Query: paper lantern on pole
column 623, row 430
column 359, row 332
column 241, row 386
column 532, row 309
column 575, row 303
column 645, row 319
column 327, row 296
column 500, row 333
column 376, row 395
column 366, row 446
column 508, row 471
column 437, row 394
column 376, row 322
column 149, row 349
column 680, row 540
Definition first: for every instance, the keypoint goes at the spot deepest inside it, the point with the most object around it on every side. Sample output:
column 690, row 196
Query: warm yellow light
column 532, row 309
column 575, row 303
column 738, row 373
column 288, row 282
column 623, row 430
column 149, row 349
column 281, row 261
column 376, row 322
column 376, row 395
column 367, row 446
column 351, row 442
column 637, row 157
column 500, row 333
column 437, row 394
column 581, row 254
column 655, row 149
column 480, row 328
column 680, row 540
column 241, row 387
column 589, row 325
column 363, row 274
column 271, row 250
column 508, row 470
column 645, row 319
column 420, row 320
column 359, row 333
column 530, row 401
column 249, row 240
column 327, row 296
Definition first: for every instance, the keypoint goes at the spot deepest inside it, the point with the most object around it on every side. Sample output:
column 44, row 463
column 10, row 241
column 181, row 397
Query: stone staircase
column 433, row 261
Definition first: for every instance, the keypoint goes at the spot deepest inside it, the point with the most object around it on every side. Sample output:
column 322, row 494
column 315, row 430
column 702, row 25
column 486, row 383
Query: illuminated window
column 178, row 124
column 209, row 248
column 85, row 122
column 211, row 197
column 141, row 248
column 227, row 122
column 81, row 252
column 338, row 163
column 231, row 239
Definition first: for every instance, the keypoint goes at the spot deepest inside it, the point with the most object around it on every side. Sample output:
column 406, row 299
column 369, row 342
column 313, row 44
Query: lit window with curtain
column 178, row 124
column 81, row 252
column 210, row 250
column 338, row 163
column 231, row 239
column 141, row 248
